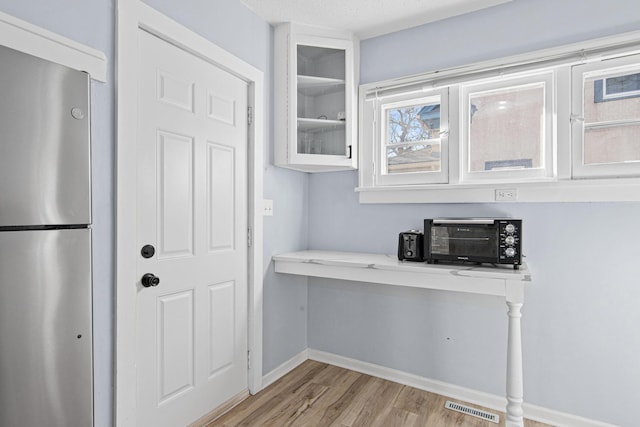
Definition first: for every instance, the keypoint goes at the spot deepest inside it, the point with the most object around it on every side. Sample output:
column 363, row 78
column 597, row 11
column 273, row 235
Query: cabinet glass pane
column 329, row 141
column 321, row 102
column 507, row 128
column 321, row 62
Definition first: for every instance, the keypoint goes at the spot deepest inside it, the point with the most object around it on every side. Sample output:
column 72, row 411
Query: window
column 413, row 139
column 556, row 125
column 606, row 111
column 616, row 87
column 508, row 129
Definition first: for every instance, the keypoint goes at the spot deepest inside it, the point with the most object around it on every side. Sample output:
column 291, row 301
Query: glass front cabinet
column 315, row 99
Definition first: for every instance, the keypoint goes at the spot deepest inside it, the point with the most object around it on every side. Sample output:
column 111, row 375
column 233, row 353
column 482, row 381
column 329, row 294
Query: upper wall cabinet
column 315, row 99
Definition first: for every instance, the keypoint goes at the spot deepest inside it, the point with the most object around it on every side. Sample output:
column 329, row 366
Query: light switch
column 268, row 207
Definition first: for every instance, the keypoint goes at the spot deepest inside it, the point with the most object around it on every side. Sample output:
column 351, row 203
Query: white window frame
column 562, row 186
column 618, row 66
column 382, row 178
column 613, row 96
column 548, row 169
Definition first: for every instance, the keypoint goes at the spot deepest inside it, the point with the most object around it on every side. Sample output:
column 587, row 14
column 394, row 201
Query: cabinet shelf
column 317, row 124
column 314, row 86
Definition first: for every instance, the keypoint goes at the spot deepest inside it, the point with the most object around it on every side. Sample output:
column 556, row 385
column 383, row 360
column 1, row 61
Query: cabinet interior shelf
column 311, row 124
column 314, row 86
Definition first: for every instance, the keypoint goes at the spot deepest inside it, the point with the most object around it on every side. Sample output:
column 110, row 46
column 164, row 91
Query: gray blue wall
column 581, row 316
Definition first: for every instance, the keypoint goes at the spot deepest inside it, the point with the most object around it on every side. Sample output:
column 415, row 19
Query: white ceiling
column 364, row 18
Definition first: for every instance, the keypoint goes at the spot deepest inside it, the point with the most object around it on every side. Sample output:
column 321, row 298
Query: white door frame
column 133, row 16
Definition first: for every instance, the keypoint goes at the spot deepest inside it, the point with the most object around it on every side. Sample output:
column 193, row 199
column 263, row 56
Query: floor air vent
column 472, row 411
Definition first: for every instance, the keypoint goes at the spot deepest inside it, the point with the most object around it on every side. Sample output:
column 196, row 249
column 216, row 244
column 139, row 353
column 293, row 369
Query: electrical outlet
column 506, row 195
column 267, row 209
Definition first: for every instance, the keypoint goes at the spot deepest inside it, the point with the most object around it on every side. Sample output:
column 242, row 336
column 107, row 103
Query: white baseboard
column 532, row 412
column 288, row 366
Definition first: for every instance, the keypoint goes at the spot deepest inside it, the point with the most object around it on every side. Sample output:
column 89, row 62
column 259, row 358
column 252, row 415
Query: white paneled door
column 192, row 208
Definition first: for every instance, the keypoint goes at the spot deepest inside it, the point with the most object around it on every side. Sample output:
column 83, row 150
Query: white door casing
column 191, row 329
column 134, row 18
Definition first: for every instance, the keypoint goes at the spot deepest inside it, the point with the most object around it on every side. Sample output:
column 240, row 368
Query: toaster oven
column 476, row 240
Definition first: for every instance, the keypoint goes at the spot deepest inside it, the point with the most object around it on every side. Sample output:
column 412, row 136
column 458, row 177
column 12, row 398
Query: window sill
column 592, row 190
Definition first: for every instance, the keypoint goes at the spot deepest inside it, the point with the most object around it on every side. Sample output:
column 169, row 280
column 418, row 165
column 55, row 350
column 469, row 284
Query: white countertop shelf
column 386, row 269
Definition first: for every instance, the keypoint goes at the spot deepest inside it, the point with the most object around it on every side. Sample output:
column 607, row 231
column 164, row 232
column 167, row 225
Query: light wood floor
column 316, row 394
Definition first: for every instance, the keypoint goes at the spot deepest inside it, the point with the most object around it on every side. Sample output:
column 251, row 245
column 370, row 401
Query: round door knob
column 150, row 279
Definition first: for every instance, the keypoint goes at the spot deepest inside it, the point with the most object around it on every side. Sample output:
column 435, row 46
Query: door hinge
column 248, row 359
column 249, row 237
column 249, row 116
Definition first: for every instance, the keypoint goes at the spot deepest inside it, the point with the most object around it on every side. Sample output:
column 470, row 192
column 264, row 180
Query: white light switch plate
column 267, row 210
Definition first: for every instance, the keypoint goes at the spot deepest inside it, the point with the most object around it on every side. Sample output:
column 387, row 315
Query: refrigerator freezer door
column 44, row 142
column 45, row 328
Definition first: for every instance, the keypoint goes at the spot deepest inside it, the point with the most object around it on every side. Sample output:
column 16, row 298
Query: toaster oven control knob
column 509, row 240
column 510, row 252
column 510, row 228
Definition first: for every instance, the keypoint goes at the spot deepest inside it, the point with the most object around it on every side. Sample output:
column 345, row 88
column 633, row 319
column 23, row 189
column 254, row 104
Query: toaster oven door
column 464, row 242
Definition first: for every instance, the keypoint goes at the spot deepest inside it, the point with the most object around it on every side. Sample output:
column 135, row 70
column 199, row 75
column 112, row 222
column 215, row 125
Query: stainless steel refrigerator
column 45, row 244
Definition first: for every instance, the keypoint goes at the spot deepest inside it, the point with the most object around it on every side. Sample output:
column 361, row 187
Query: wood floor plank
column 418, row 402
column 338, row 381
column 289, row 411
column 335, row 409
column 247, row 412
column 380, row 405
column 351, row 413
column 321, row 395
column 334, row 375
column 399, row 418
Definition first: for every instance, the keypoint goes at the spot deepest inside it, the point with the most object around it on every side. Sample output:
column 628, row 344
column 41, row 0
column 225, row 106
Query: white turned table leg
column 515, row 296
